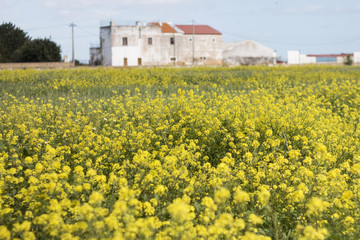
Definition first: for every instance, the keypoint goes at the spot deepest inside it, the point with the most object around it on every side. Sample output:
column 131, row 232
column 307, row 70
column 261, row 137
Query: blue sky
column 315, row 27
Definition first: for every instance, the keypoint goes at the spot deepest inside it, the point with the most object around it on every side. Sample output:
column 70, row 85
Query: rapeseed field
column 164, row 153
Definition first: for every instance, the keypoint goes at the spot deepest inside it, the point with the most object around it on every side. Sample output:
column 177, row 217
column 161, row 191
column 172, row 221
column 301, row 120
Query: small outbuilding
column 95, row 56
column 295, row 57
column 247, row 52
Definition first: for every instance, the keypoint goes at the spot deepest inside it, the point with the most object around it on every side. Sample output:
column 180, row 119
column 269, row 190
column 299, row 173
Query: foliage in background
column 16, row 46
column 39, row 50
column 348, row 60
column 11, row 39
column 202, row 153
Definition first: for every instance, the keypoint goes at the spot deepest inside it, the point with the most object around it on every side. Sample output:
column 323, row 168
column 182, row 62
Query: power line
column 68, row 46
column 90, row 27
column 87, row 36
column 45, row 27
column 62, row 25
column 82, row 29
column 77, row 37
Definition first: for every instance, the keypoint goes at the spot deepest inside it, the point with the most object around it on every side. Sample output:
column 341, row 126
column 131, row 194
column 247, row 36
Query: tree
column 348, row 60
column 39, row 50
column 16, row 46
column 11, row 39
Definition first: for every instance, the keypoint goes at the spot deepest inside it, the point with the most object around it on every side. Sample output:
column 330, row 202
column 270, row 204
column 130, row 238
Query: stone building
column 157, row 43
column 247, row 52
column 95, row 55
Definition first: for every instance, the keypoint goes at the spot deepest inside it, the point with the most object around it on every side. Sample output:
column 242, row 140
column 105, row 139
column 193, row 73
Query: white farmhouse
column 157, row 44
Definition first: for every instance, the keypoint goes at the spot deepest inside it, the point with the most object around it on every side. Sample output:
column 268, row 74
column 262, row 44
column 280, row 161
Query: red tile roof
column 198, row 29
column 165, row 27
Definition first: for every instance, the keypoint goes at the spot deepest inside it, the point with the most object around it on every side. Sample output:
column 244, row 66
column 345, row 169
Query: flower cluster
column 202, row 153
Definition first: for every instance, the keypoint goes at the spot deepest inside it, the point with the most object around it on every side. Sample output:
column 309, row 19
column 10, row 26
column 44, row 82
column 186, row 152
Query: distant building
column 205, row 45
column 95, row 55
column 247, row 52
column 295, row 57
column 161, row 44
column 157, row 44
column 66, row 58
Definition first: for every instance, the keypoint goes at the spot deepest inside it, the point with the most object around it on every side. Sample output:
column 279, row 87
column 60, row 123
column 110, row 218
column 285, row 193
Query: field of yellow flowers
column 164, row 153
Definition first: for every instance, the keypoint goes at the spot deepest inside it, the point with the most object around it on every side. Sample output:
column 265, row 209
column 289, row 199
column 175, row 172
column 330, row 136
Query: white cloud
column 95, row 10
column 314, row 8
column 50, row 4
column 70, row 4
column 311, row 9
column 290, row 10
column 64, row 12
column 5, row 3
column 167, row 2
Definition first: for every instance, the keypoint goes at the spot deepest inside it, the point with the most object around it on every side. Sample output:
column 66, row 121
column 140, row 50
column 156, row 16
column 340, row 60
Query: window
column 326, row 59
column 190, row 39
column 173, row 59
column 214, row 40
column 172, row 41
column 125, row 41
column 149, row 41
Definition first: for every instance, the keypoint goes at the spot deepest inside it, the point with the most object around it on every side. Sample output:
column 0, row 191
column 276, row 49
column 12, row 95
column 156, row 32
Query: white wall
column 293, row 57
column 150, row 53
column 106, row 44
column 356, row 57
column 304, row 59
column 131, row 53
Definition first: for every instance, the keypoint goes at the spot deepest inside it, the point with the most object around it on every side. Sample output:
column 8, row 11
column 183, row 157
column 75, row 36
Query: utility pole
column 72, row 25
column 193, row 42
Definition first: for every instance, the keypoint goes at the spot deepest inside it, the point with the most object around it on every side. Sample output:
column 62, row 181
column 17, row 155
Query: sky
column 310, row 26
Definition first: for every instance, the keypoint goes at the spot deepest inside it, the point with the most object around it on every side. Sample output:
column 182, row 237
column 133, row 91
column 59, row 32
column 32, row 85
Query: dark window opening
column 172, row 41
column 124, row 41
column 149, row 41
